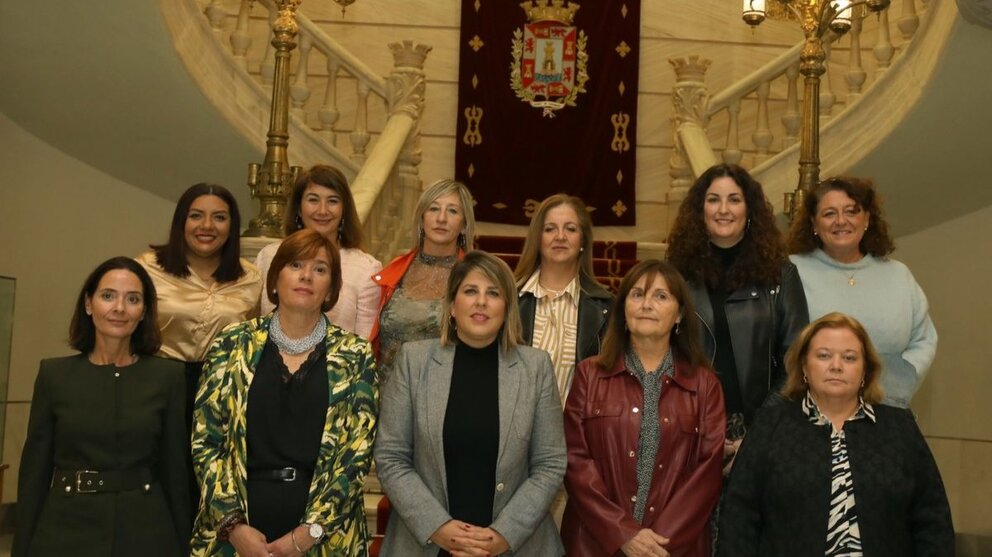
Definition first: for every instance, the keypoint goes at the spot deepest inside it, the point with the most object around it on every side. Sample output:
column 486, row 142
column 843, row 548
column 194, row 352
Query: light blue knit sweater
column 886, row 299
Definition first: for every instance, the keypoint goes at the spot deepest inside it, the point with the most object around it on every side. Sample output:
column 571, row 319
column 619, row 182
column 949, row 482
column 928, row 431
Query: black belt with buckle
column 287, row 474
column 109, row 481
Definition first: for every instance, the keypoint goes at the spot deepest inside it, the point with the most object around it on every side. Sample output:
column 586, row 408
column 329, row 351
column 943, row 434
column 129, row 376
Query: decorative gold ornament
column 815, row 17
column 620, row 121
column 473, row 136
column 559, row 11
column 344, row 4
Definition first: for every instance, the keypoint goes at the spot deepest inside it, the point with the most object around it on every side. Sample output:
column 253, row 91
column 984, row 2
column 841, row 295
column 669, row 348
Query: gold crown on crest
column 550, row 10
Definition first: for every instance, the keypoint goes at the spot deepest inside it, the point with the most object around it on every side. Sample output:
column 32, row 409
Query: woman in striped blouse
column 835, row 472
column 563, row 309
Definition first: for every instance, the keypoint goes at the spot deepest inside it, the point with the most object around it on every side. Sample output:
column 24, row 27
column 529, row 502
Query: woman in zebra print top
column 835, row 473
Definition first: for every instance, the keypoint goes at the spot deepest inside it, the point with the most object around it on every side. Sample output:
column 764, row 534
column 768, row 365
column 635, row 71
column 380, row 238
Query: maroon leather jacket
column 602, row 427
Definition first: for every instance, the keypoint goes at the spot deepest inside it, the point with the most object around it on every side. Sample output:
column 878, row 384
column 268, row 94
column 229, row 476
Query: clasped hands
column 249, row 542
column 646, row 543
column 461, row 539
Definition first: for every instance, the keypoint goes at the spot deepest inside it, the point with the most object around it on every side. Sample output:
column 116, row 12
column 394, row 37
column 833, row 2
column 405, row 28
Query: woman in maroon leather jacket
column 644, row 423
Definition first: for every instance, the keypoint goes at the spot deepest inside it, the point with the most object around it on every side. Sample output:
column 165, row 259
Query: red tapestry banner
column 547, row 103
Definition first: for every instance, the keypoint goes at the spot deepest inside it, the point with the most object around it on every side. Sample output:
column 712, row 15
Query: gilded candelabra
column 272, row 180
column 816, row 17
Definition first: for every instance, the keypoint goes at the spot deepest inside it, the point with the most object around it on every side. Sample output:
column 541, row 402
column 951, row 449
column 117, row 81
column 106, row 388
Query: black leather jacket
column 594, row 311
column 763, row 323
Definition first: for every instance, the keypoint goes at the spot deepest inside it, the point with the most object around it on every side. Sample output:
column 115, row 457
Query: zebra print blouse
column 843, row 534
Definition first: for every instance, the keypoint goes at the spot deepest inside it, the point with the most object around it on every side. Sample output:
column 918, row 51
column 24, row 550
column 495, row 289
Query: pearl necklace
column 296, row 346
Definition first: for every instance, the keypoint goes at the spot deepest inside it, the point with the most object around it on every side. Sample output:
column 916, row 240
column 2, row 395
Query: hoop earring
column 677, row 323
column 805, row 380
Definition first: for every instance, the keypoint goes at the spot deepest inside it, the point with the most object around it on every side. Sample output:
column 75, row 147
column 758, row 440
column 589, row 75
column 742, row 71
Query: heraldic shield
column 549, row 56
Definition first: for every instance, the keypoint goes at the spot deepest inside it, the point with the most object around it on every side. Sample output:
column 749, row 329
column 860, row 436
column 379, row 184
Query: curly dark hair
column 762, row 252
column 876, row 240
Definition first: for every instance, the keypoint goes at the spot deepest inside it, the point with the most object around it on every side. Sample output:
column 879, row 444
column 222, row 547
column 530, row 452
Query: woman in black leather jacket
column 746, row 292
column 562, row 308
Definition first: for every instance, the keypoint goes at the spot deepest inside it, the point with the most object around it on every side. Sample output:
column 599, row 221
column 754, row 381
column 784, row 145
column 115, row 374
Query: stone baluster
column 329, row 113
column 689, row 100
column 268, row 67
column 827, row 96
column 909, row 21
column 732, row 154
column 407, row 87
column 299, row 91
column 360, row 134
column 792, row 119
column 216, row 14
column 883, row 49
column 240, row 39
column 762, row 136
column 856, row 74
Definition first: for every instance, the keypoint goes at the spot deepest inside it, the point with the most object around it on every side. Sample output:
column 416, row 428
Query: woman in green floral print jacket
column 280, row 453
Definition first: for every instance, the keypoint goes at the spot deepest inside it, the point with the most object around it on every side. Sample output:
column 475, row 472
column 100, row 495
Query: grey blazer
column 409, row 450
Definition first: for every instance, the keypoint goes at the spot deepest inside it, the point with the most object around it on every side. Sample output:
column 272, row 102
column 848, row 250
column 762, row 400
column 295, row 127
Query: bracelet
column 296, row 546
column 228, row 523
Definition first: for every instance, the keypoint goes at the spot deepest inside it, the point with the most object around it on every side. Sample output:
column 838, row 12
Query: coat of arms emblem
column 549, row 56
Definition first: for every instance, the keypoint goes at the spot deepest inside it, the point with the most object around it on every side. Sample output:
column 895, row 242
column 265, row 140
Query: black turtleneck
column 471, row 434
column 723, row 361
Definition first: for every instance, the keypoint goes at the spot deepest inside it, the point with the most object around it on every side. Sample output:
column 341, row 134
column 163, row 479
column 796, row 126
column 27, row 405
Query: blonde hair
column 530, row 257
column 496, row 270
column 440, row 189
column 795, row 388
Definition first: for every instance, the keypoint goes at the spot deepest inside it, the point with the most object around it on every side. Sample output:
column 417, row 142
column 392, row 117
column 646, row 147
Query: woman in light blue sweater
column 840, row 243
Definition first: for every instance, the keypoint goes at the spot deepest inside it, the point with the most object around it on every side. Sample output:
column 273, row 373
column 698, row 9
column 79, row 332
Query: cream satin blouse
column 191, row 312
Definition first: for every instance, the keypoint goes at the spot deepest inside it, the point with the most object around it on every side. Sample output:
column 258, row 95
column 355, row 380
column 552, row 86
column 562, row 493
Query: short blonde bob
column 441, row 188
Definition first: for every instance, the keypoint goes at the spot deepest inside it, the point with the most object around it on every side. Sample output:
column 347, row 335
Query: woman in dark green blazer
column 103, row 469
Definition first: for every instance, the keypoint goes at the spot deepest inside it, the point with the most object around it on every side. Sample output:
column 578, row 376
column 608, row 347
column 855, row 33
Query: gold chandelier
column 815, row 17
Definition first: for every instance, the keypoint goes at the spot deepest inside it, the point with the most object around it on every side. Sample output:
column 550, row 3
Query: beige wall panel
column 710, row 21
column 426, row 13
column 954, row 400
column 91, row 217
column 15, row 429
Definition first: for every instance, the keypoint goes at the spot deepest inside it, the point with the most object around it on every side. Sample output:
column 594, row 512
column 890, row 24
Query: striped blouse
column 843, row 533
column 556, row 324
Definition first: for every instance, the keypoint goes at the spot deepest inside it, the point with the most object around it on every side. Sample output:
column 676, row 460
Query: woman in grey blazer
column 470, row 447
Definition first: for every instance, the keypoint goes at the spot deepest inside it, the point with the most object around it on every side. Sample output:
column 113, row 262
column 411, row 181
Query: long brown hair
column 685, row 343
column 762, row 252
column 350, row 230
column 876, row 240
column 530, row 257
column 171, row 255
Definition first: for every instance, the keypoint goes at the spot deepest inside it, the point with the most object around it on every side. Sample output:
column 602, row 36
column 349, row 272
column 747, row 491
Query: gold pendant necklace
column 850, row 279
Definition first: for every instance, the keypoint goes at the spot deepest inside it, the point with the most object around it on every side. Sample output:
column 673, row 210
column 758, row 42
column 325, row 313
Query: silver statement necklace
column 296, row 346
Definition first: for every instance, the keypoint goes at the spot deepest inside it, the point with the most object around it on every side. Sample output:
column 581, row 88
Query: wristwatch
column 315, row 531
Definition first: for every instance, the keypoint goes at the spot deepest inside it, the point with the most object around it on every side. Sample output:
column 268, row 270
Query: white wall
column 59, row 218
